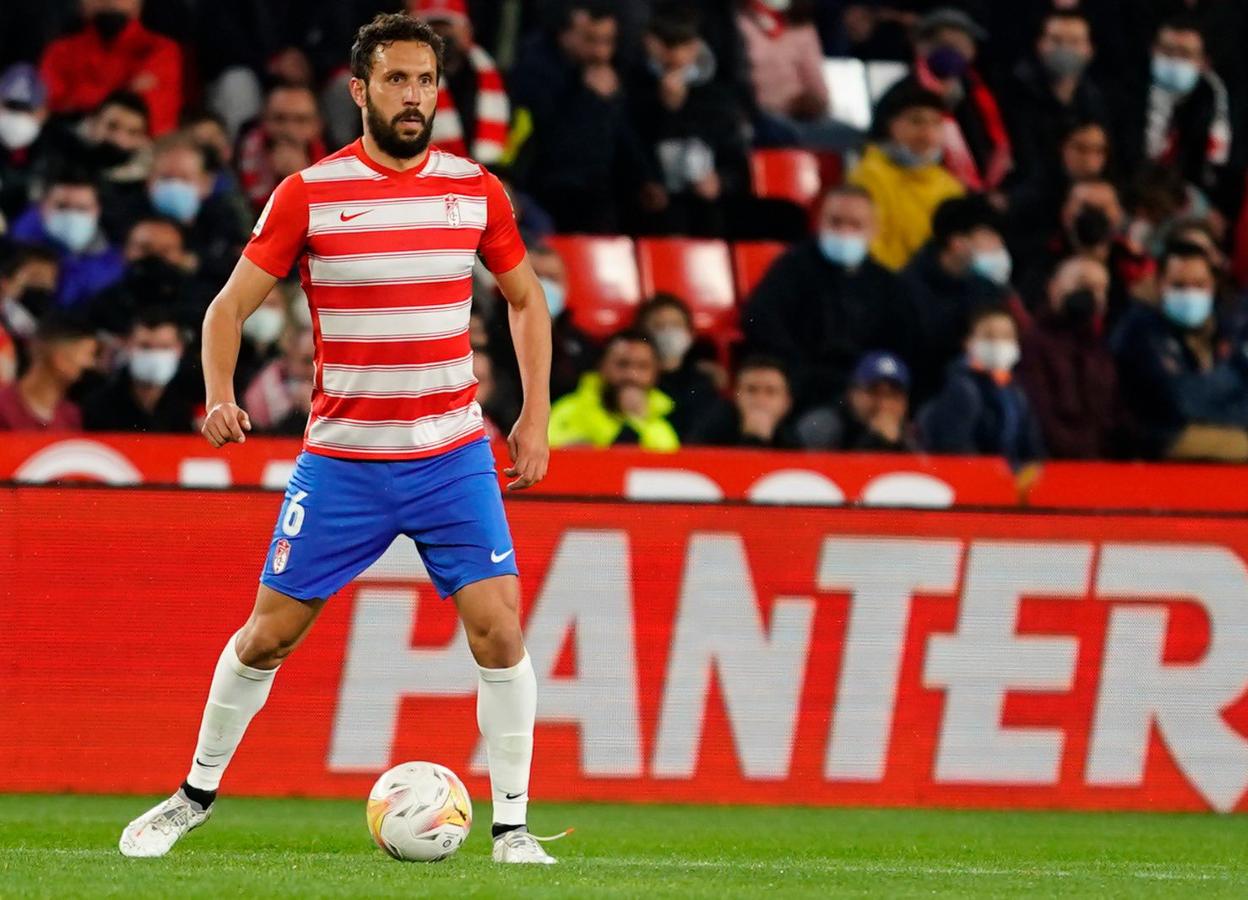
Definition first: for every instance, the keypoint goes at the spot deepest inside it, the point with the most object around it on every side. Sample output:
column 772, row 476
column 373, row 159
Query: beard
column 386, row 133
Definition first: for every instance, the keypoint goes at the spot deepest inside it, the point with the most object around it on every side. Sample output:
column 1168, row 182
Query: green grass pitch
column 66, row 846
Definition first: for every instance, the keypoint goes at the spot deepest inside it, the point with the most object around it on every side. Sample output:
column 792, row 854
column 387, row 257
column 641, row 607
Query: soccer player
column 385, row 232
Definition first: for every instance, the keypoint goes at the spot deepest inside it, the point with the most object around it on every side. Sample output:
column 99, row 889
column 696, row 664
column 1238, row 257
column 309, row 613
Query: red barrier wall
column 702, row 653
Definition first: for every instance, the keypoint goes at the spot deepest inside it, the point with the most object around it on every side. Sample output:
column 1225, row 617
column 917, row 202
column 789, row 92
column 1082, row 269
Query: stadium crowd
column 1038, row 249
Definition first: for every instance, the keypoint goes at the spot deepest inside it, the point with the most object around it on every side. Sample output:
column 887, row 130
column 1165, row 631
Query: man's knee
column 262, row 646
column 496, row 640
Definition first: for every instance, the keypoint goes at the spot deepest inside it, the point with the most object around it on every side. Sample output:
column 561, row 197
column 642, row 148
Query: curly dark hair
column 384, row 30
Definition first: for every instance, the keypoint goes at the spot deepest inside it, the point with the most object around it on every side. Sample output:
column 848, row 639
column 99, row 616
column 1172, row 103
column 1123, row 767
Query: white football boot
column 521, row 847
column 156, row 831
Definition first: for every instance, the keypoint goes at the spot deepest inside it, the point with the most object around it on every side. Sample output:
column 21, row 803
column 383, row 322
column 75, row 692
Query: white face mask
column 265, row 325
column 995, row 265
column 18, row 129
column 672, row 343
column 994, row 355
column 156, row 367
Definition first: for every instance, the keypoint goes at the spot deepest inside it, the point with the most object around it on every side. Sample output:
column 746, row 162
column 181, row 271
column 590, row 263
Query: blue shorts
column 341, row 515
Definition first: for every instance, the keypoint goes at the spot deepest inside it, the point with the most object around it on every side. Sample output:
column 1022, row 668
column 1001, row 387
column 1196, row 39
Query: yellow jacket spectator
column 619, row 403
column 903, row 174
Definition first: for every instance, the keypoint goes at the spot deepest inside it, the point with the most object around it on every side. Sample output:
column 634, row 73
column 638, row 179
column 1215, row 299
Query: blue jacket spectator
column 982, row 411
column 68, row 220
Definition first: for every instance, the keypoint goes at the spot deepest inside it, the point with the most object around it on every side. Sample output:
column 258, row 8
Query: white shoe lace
column 529, row 845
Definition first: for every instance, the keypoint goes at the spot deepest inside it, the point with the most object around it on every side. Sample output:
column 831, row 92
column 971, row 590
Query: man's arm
column 223, row 324
column 530, row 331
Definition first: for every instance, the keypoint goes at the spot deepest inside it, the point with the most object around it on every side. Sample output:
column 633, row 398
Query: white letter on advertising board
column 719, row 626
column 881, row 575
column 985, row 659
column 1184, row 699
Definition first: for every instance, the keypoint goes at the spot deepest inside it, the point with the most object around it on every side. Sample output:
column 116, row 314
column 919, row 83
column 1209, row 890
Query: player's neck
column 379, row 156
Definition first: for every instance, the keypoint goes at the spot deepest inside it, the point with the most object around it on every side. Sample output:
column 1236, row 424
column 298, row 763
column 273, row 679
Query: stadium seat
column 846, row 79
column 882, row 74
column 697, row 271
column 750, row 262
column 786, row 174
column 603, row 288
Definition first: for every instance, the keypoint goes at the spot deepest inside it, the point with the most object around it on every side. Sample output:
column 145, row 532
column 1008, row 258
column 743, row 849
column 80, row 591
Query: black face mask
column 1079, row 307
column 153, row 281
column 107, row 155
column 36, row 300
column 1092, row 227
column 109, row 24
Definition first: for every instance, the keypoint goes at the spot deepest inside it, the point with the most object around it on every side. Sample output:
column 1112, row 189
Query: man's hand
column 634, row 401
column 602, row 80
column 529, row 448
column 673, row 89
column 760, row 421
column 226, row 423
column 709, row 187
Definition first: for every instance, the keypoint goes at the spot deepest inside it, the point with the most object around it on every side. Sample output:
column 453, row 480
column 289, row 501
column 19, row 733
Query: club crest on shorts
column 452, row 210
column 281, row 556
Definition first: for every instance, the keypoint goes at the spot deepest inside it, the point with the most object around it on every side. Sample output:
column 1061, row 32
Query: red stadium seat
column 698, row 272
column 603, row 288
column 750, row 262
column 786, row 174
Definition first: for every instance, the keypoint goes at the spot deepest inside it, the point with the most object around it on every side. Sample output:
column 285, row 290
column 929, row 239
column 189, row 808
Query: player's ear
column 359, row 92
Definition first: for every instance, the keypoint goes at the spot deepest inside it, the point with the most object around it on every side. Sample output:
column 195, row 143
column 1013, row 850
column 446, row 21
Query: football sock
column 506, row 708
column 237, row 694
column 197, row 798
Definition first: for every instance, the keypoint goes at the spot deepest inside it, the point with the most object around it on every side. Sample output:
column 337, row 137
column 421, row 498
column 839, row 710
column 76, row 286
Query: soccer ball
column 419, row 811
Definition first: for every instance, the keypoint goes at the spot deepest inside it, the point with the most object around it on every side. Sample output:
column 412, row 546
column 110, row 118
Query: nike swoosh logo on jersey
column 499, row 557
column 347, row 218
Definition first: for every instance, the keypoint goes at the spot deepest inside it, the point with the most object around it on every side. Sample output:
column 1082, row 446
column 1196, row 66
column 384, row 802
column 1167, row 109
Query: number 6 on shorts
column 292, row 522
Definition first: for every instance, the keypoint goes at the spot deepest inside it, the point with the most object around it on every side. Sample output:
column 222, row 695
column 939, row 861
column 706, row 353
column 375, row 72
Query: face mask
column 1080, row 307
column 1178, row 76
column 35, row 300
column 556, row 300
column 1064, row 62
column 18, row 318
column 946, row 63
column 71, row 227
column 18, row 130
column 155, row 367
column 848, row 250
column 175, row 198
column 672, row 343
column 153, row 280
column 994, row 265
column 1092, row 227
column 110, row 23
column 994, row 355
column 264, row 326
column 1189, row 308
column 107, row 155
column 908, row 159
column 777, row 5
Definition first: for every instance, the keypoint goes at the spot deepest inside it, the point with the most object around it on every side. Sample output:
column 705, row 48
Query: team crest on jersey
column 452, row 211
column 281, row 556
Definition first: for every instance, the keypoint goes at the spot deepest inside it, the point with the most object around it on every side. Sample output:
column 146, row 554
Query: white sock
column 237, row 694
column 506, row 708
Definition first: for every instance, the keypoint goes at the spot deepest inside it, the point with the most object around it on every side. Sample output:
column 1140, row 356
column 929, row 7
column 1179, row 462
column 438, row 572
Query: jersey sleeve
column 501, row 247
column 282, row 229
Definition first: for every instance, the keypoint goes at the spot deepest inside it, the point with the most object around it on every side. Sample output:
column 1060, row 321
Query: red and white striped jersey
column 386, row 260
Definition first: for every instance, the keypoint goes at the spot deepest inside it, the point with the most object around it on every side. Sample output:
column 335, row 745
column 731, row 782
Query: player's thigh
column 490, row 612
column 335, row 522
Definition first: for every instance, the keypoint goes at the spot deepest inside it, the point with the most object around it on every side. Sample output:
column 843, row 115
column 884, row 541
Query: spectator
column 27, row 288
column 181, row 187
column 1182, row 120
column 158, row 274
column 68, row 220
column 113, row 51
column 692, row 126
column 285, row 140
column 901, row 171
column 618, row 404
column 757, row 416
column 1067, row 369
column 786, row 69
column 573, row 351
column 23, row 112
column 963, row 269
column 63, row 348
column 261, row 341
column 146, row 395
column 877, row 406
column 1046, row 93
column 112, row 143
column 1181, row 380
column 826, row 302
column 981, row 411
column 473, row 111
column 976, row 146
column 666, row 319
column 280, row 396
column 208, row 130
column 579, row 155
